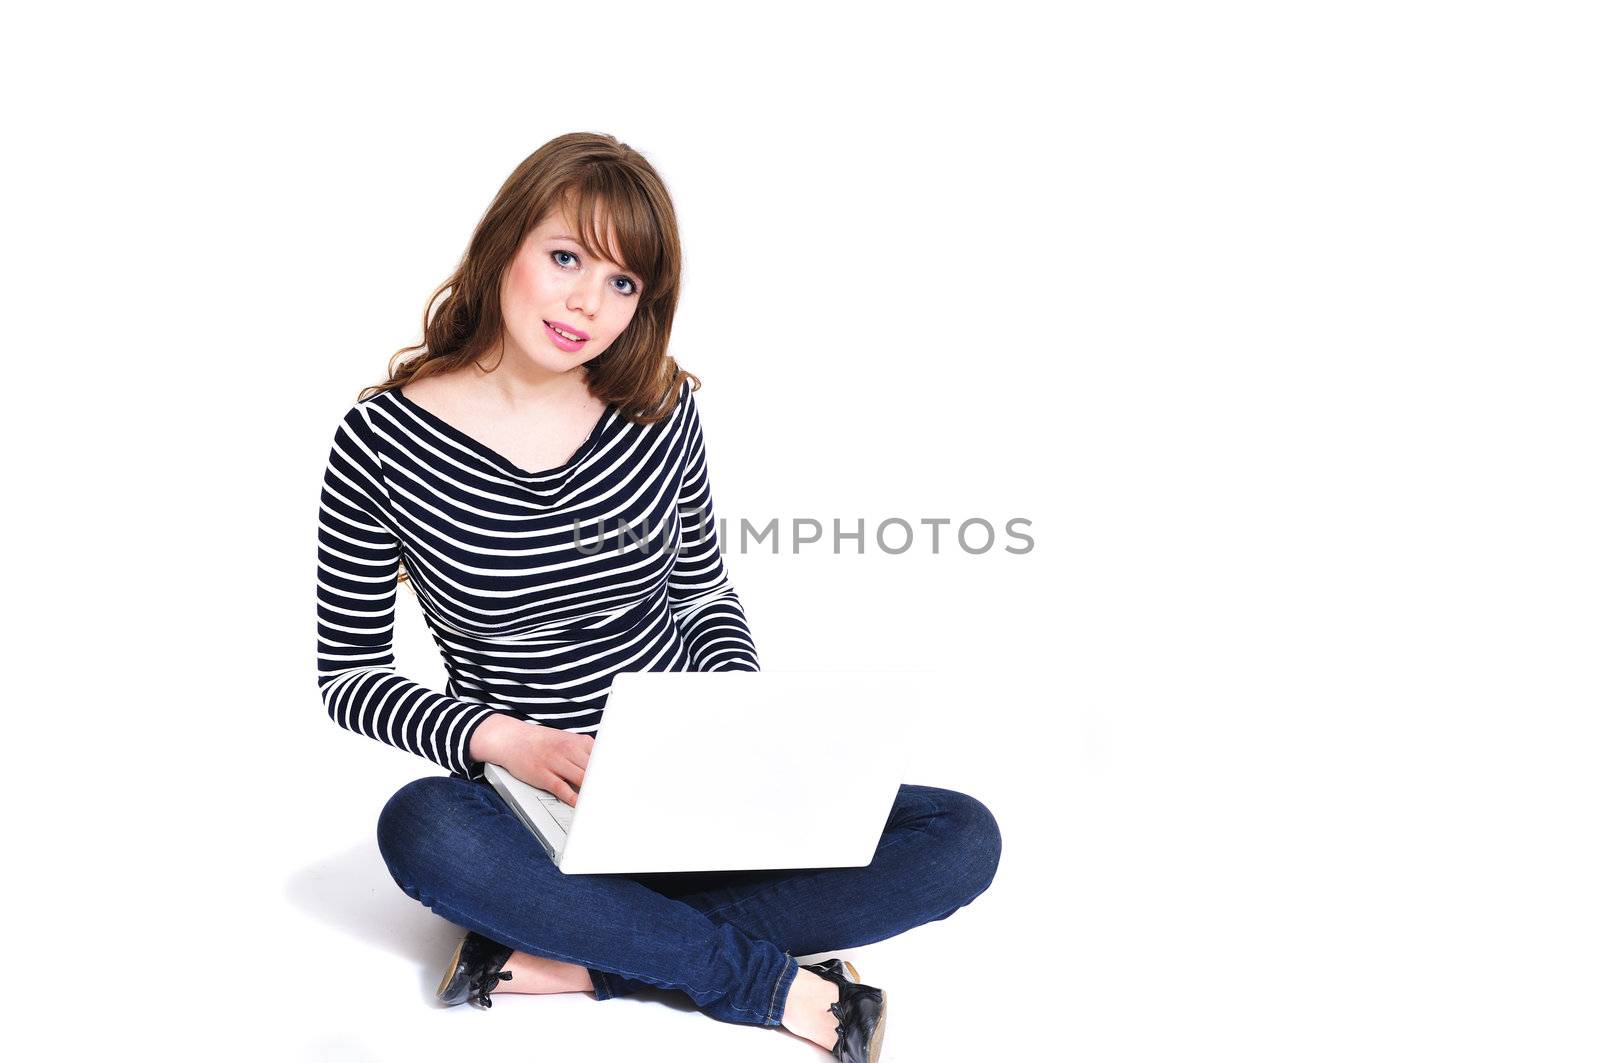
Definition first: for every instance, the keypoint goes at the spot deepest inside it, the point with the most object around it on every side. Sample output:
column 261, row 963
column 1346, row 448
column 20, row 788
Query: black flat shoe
column 833, row 970
column 474, row 970
column 862, row 1011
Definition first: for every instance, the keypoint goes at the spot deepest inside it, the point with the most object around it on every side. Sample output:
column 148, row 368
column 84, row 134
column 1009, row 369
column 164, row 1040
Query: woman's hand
column 546, row 757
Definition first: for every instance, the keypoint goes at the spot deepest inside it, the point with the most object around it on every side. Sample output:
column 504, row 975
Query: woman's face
column 553, row 281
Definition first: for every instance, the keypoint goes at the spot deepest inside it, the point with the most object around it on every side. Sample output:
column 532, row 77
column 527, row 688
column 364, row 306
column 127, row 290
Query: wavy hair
column 593, row 178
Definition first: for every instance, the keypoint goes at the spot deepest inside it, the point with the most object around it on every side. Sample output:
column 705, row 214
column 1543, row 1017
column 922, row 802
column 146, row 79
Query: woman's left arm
column 703, row 601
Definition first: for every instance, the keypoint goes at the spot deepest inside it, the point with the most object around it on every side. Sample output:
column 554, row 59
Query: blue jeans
column 727, row 939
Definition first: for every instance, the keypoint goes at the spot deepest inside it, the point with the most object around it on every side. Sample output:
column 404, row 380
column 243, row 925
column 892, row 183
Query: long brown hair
column 594, row 177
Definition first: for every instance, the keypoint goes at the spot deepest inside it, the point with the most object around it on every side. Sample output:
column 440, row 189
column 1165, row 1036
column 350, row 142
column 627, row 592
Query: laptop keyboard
column 559, row 809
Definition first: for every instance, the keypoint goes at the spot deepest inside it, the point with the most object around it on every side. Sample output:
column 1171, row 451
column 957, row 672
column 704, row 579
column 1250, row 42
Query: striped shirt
column 537, row 587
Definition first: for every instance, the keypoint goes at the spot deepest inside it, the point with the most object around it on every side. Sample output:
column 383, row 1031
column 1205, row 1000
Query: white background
column 1277, row 322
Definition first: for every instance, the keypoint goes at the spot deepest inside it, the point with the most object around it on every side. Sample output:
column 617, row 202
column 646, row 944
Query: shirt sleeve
column 358, row 563
column 703, row 601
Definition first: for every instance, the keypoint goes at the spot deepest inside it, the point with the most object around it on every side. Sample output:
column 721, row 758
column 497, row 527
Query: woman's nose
column 586, row 295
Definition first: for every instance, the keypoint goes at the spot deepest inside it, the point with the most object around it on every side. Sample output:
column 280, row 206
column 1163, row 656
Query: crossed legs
column 725, row 939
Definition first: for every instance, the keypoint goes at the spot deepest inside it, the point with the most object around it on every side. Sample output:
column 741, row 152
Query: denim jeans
column 727, row 939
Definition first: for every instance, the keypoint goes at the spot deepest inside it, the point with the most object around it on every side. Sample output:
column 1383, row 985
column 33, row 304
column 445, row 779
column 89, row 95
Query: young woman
column 512, row 465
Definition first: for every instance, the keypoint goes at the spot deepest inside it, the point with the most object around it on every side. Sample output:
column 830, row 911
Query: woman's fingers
column 575, row 774
column 558, row 786
column 571, row 768
column 577, row 753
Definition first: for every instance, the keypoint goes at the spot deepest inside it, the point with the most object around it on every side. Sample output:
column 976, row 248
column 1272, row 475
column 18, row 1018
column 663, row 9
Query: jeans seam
column 777, row 986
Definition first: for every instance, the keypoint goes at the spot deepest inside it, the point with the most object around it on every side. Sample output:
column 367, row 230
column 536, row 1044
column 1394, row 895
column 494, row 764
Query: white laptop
column 732, row 771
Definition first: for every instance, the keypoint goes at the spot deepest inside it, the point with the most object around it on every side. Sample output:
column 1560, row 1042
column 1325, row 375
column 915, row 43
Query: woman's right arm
column 358, row 563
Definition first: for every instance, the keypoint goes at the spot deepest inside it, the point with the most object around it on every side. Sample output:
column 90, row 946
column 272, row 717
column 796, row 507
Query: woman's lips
column 561, row 341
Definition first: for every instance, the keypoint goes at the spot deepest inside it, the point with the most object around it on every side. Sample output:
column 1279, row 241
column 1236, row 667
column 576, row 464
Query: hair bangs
column 595, row 201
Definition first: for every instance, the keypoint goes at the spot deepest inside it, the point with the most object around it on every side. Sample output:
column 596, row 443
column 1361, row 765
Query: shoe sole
column 450, row 970
column 856, row 978
column 876, row 1044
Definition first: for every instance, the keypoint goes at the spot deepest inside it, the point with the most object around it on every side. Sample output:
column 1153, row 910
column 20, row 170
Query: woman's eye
column 632, row 289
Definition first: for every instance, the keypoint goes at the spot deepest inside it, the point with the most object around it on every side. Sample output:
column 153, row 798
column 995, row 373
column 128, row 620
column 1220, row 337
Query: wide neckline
column 493, row 455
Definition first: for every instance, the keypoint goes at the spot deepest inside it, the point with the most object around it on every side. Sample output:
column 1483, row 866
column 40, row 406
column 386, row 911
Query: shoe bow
column 483, row 987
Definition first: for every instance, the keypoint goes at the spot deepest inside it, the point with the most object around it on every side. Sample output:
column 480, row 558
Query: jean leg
column 940, row 849
column 451, row 844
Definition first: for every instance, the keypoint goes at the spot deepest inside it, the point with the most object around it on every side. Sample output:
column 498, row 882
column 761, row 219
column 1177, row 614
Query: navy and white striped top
column 532, row 619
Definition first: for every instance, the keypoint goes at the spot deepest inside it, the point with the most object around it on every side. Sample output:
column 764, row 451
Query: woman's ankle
column 805, row 1009
column 540, row 974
